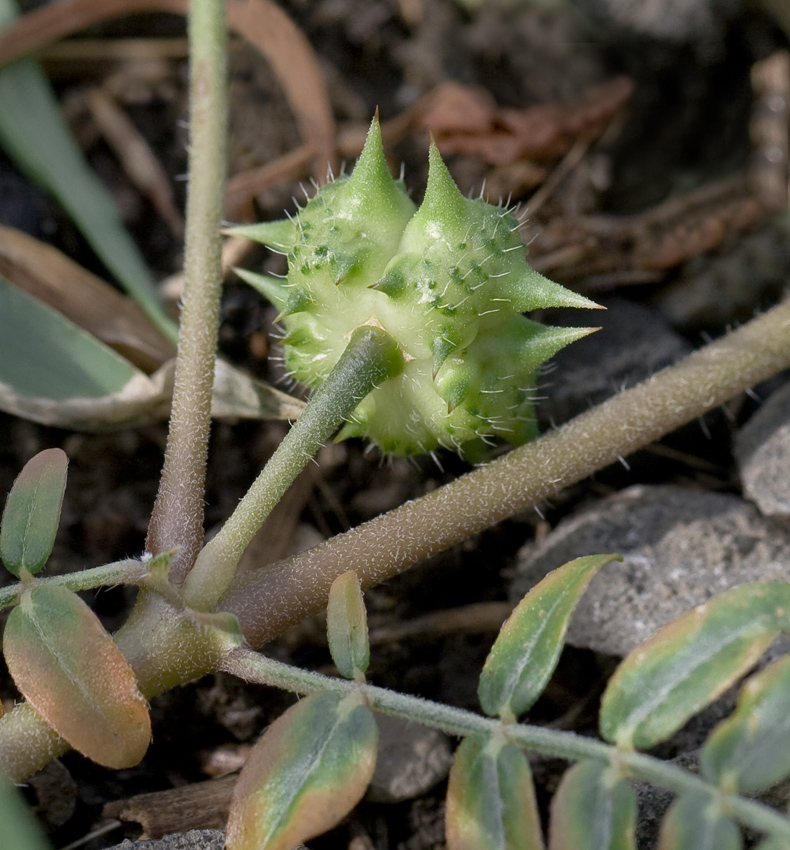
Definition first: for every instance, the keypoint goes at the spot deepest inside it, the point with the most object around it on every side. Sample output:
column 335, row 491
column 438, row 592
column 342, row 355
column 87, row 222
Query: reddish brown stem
column 279, row 595
column 177, row 518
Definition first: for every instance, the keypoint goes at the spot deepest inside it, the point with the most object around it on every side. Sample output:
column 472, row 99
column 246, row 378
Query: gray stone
column 633, row 343
column 762, row 449
column 195, row 839
column 411, row 760
column 653, row 802
column 680, row 548
column 669, row 20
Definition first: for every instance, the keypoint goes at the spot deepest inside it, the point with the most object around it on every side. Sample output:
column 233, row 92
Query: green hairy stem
column 253, row 667
column 370, row 358
column 177, row 518
column 268, row 601
column 127, row 571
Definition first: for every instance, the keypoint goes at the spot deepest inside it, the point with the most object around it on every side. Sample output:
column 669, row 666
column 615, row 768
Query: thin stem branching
column 254, row 667
column 127, row 571
column 372, row 356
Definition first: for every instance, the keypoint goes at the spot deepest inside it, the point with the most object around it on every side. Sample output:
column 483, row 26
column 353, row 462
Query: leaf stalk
column 253, row 667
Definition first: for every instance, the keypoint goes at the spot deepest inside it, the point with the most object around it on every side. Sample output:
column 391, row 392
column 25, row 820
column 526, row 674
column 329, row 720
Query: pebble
column 411, row 760
column 680, row 548
column 669, row 20
column 633, row 343
column 195, row 839
column 762, row 450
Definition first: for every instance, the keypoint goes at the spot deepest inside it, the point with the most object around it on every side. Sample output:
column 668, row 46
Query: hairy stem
column 177, row 518
column 253, row 667
column 270, row 600
column 372, row 356
column 127, row 571
column 535, row 471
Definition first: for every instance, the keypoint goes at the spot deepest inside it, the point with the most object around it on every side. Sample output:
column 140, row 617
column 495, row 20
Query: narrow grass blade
column 53, row 372
column 85, row 299
column 48, row 364
column 37, row 138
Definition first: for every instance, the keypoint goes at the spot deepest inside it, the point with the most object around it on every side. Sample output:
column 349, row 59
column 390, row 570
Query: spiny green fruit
column 449, row 281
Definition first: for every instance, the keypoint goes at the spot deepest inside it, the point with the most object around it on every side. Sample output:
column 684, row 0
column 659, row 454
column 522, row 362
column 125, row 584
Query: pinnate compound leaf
column 347, row 626
column 308, row 770
column 594, row 809
column 32, row 512
column 694, row 821
column 526, row 652
column 750, row 751
column 69, row 669
column 690, row 662
column 491, row 799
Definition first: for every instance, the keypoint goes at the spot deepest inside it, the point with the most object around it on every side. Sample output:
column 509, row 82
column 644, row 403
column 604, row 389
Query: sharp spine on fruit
column 360, row 248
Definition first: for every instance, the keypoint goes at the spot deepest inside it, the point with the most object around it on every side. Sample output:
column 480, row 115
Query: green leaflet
column 449, row 282
column 490, row 798
column 32, row 513
column 693, row 821
column 347, row 627
column 680, row 670
column 526, row 652
column 308, row 770
column 750, row 751
column 69, row 669
column 594, row 809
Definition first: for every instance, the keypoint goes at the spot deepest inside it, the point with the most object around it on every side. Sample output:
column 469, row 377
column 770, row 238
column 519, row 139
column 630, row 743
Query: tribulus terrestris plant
column 408, row 323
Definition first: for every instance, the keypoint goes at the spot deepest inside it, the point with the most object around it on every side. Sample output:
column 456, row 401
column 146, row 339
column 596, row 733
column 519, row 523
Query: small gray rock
column 653, row 803
column 669, row 20
column 762, row 449
column 680, row 548
column 195, row 839
column 633, row 343
column 411, row 760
